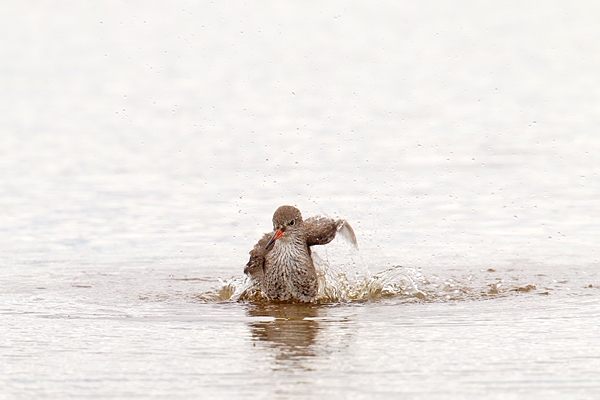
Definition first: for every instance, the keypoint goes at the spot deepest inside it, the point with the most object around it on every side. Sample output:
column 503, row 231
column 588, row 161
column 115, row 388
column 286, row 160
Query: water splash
column 334, row 286
column 343, row 276
column 235, row 289
column 343, row 282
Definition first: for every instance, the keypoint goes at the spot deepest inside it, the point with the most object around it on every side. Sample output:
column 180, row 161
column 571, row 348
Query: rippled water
column 144, row 148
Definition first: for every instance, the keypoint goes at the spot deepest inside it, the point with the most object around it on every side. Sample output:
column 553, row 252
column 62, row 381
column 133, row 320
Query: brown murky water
column 144, row 148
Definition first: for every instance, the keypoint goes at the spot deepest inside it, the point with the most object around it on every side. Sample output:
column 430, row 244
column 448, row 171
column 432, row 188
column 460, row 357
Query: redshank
column 281, row 261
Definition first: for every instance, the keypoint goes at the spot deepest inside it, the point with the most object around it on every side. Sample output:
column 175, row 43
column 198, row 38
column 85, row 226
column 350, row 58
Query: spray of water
column 343, row 276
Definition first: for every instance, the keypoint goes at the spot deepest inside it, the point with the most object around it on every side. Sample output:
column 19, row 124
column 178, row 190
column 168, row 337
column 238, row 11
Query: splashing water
column 343, row 276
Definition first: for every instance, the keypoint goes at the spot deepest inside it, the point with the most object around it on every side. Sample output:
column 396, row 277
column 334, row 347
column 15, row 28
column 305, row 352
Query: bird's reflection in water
column 292, row 333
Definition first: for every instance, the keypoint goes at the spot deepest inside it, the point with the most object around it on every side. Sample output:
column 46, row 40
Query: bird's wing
column 348, row 233
column 322, row 230
column 255, row 266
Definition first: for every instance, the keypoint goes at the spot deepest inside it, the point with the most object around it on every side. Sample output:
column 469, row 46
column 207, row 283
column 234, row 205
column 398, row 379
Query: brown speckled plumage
column 281, row 261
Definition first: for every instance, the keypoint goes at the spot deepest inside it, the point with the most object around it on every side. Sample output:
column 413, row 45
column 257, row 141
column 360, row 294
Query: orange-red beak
column 278, row 233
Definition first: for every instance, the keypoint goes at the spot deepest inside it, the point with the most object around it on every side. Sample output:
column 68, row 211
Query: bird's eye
column 291, row 222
